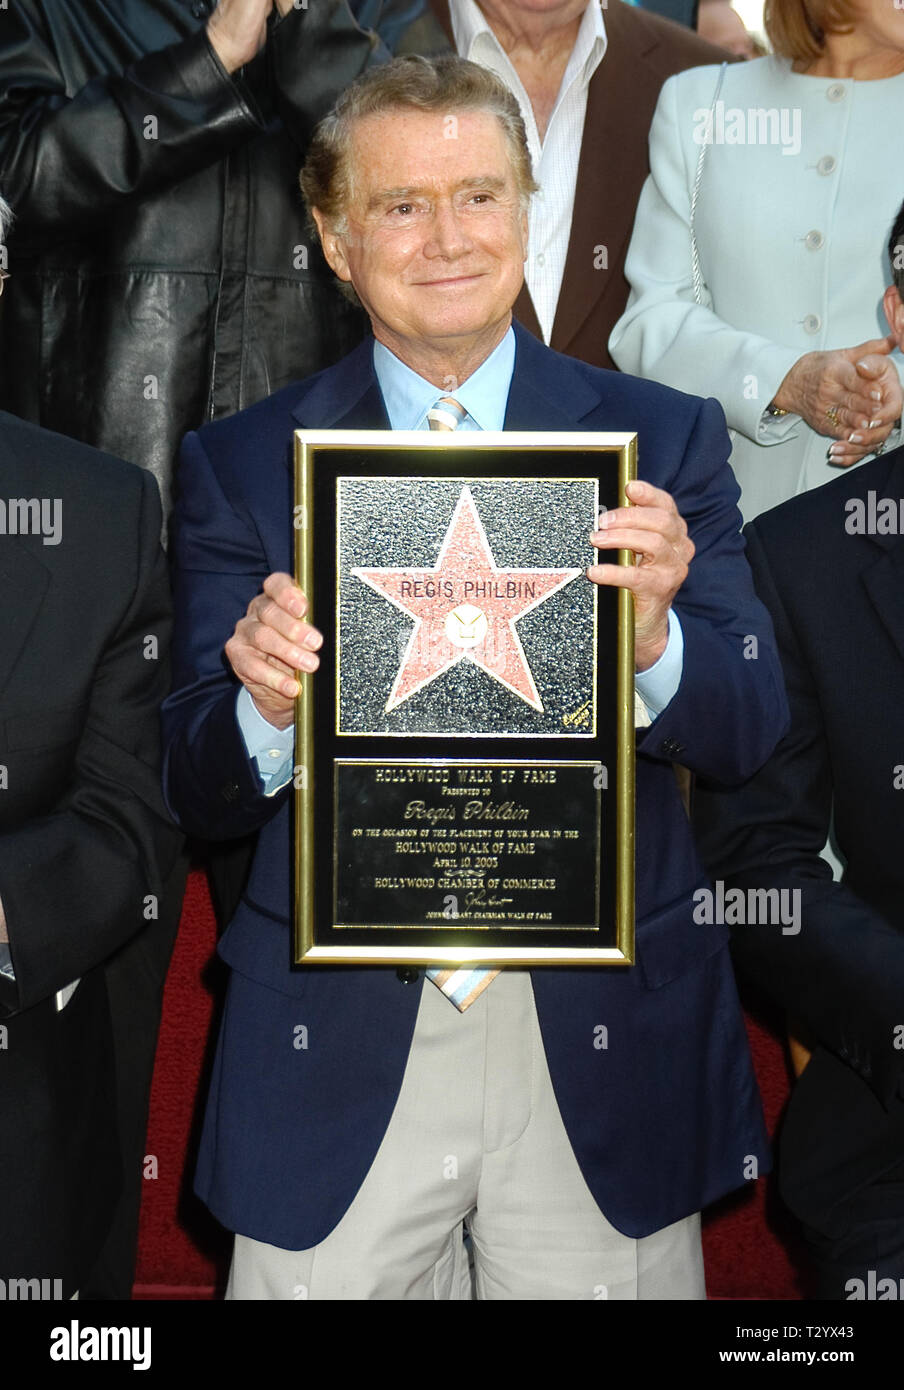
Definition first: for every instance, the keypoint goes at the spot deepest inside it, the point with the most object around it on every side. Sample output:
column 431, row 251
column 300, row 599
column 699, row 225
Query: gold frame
column 306, row 951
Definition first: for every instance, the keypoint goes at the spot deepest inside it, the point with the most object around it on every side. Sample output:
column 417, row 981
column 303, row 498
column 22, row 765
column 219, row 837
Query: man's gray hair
column 448, row 85
column 6, row 218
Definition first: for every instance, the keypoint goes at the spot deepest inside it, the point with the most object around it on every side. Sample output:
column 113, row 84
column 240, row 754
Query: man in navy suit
column 839, row 621
column 358, row 1119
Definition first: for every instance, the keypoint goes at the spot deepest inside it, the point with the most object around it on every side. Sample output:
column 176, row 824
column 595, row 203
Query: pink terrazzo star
column 465, row 609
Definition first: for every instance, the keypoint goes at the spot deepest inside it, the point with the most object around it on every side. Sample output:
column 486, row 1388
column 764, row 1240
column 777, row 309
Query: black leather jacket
column 162, row 272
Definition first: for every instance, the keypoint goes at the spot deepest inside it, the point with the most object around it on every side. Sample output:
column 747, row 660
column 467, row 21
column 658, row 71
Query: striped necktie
column 447, row 414
column 461, row 986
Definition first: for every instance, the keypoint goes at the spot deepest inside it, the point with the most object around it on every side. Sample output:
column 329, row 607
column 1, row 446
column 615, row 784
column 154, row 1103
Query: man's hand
column 237, row 30
column 852, row 395
column 654, row 530
column 270, row 644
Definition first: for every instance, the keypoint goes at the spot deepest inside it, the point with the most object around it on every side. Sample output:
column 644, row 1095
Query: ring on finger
column 832, row 416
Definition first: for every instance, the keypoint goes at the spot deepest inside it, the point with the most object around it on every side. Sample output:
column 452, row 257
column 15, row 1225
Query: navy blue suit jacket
column 839, row 620
column 666, row 1117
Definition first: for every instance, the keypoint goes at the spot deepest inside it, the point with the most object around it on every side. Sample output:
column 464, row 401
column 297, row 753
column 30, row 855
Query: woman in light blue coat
column 758, row 264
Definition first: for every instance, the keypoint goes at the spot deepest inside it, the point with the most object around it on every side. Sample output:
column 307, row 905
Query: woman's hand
column 852, row 395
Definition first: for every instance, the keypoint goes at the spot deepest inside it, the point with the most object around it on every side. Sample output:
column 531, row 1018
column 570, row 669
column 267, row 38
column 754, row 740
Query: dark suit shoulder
column 252, row 448
column 560, row 374
column 650, row 396
column 268, row 419
column 26, row 448
column 262, row 416
column 827, row 515
column 102, row 503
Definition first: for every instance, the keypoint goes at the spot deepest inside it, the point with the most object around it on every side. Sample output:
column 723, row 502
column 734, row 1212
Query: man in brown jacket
column 587, row 78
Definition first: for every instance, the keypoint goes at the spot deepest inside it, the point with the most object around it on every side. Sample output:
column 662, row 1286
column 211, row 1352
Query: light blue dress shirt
column 484, row 395
column 407, row 398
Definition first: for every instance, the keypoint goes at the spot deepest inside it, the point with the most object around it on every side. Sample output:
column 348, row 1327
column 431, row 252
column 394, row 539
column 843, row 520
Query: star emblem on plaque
column 465, row 608
column 464, row 755
column 460, row 598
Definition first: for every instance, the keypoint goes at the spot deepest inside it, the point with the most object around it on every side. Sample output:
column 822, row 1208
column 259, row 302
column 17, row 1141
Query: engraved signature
column 578, row 717
column 478, row 898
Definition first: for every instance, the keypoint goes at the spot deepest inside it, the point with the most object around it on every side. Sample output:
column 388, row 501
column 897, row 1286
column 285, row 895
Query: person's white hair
column 6, row 217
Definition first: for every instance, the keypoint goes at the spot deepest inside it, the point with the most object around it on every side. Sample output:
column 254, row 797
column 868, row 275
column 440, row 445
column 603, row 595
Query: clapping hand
column 237, row 30
column 852, row 396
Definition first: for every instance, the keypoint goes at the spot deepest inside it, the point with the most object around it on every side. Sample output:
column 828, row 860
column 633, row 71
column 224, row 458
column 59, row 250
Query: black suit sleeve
column 842, row 972
column 77, row 882
column 67, row 159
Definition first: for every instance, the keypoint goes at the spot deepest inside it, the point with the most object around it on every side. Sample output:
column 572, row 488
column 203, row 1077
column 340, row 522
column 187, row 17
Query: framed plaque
column 464, row 767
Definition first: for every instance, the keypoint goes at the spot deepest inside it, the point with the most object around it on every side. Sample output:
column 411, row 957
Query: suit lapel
column 545, row 394
column 606, row 192
column 346, row 396
column 23, row 582
column 884, row 583
column 884, row 579
column 524, row 311
column 368, row 413
column 23, row 579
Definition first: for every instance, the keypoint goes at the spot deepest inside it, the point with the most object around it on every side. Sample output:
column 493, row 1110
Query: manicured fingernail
column 875, row 395
column 836, row 451
column 602, row 520
column 854, row 439
column 874, row 423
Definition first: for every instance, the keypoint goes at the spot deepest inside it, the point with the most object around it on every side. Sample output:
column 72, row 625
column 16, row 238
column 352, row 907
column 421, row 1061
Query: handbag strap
column 695, row 257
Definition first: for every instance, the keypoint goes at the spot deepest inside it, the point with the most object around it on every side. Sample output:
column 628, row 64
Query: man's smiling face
column 435, row 239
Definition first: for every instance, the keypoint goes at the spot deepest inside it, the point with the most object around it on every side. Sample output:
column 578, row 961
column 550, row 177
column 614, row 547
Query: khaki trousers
column 476, row 1143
